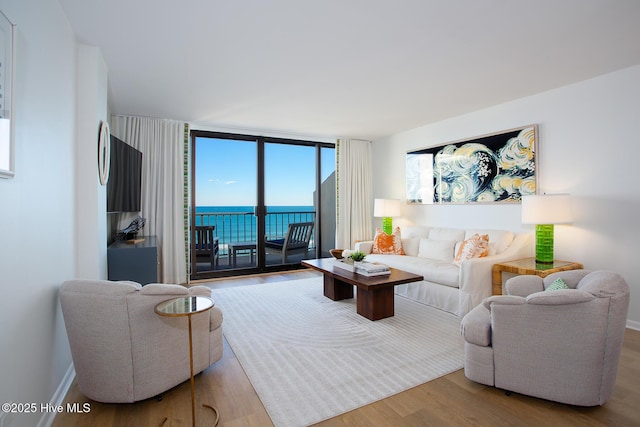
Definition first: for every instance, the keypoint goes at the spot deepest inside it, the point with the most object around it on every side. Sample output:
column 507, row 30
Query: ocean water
column 238, row 223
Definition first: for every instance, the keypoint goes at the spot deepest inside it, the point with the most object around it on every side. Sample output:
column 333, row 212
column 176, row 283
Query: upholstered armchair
column 561, row 345
column 122, row 350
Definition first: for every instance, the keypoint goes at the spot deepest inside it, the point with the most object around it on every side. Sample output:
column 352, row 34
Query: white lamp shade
column 546, row 209
column 386, row 208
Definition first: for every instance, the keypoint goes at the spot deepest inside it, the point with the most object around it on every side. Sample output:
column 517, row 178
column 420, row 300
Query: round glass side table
column 181, row 307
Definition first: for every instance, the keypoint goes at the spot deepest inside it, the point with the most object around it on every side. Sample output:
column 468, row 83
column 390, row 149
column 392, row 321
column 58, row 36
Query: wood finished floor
column 451, row 400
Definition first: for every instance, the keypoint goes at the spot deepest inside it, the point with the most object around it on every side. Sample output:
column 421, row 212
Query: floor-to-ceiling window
column 252, row 195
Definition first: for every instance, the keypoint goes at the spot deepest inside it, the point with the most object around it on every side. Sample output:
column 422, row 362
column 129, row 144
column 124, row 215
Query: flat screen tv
column 125, row 177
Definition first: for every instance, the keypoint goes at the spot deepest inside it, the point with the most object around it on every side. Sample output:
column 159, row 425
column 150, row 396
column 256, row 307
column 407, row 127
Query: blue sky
column 226, row 173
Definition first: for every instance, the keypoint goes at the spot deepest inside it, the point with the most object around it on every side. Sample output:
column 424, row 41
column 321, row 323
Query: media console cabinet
column 134, row 261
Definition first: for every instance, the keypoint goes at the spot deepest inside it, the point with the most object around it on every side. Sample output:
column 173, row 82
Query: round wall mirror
column 104, row 153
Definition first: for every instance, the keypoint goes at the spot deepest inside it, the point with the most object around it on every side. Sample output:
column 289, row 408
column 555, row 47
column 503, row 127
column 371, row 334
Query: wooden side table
column 531, row 267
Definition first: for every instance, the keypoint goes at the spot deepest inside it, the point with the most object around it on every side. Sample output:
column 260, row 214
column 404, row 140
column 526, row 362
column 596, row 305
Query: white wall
column 588, row 147
column 38, row 222
column 91, row 204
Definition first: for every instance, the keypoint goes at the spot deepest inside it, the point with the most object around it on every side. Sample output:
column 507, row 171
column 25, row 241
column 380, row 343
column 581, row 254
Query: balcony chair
column 296, row 241
column 207, row 245
column 560, row 345
column 123, row 351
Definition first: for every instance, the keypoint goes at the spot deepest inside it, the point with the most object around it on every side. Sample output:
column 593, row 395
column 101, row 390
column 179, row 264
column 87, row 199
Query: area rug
column 310, row 358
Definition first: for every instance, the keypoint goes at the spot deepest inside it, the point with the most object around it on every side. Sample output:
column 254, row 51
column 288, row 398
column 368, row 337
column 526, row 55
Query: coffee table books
column 364, row 268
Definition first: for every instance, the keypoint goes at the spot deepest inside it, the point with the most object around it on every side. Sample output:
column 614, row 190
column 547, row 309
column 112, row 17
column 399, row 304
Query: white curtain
column 162, row 145
column 355, row 195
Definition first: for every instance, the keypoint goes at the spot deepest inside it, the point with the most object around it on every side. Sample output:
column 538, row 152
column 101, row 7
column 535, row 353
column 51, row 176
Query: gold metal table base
column 180, row 307
column 204, row 405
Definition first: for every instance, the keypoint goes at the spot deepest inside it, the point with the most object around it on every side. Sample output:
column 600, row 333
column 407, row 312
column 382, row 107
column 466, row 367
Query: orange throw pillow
column 387, row 244
column 475, row 247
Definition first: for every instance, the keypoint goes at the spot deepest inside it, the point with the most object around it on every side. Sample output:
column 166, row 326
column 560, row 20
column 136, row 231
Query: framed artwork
column 495, row 168
column 7, row 52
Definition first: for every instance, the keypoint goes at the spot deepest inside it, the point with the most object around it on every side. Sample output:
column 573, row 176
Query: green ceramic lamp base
column 544, row 243
column 386, row 225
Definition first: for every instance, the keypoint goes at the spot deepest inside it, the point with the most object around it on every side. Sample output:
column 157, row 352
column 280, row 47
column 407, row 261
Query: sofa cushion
column 475, row 247
column 572, row 278
column 163, row 289
column 410, row 231
column 446, row 234
column 411, row 246
column 387, row 244
column 411, row 236
column 444, row 273
column 438, row 250
column 560, row 297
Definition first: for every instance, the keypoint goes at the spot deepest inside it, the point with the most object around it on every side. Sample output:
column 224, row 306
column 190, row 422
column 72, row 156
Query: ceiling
column 346, row 68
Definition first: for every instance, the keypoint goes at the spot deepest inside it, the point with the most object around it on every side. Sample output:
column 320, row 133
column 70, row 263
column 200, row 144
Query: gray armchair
column 560, row 345
column 122, row 350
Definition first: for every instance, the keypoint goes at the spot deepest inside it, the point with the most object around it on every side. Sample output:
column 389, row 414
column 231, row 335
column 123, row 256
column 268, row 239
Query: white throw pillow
column 411, row 245
column 439, row 250
column 411, row 231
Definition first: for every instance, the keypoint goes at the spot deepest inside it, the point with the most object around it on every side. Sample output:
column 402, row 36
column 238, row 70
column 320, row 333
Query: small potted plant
column 357, row 256
column 350, row 259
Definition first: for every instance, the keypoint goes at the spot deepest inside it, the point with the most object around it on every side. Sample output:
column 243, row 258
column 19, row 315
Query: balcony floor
column 243, row 260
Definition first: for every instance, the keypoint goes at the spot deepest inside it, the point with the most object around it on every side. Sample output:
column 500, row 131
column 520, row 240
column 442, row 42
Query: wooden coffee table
column 375, row 294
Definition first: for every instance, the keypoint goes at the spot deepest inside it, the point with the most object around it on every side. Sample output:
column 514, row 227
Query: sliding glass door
column 224, row 194
column 290, row 185
column 267, row 203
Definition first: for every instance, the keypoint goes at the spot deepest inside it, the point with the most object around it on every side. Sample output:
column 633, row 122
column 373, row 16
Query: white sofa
column 430, row 252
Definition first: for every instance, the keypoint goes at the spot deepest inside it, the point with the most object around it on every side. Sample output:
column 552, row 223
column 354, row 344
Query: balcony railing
column 242, row 226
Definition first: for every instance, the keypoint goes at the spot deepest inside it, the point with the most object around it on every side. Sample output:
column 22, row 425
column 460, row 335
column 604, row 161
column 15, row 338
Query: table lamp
column 386, row 208
column 545, row 211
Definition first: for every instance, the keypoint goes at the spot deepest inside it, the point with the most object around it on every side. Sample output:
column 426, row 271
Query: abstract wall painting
column 496, row 168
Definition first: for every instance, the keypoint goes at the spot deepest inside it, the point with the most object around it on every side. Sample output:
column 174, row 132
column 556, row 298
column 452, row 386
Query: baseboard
column 631, row 324
column 58, row 397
